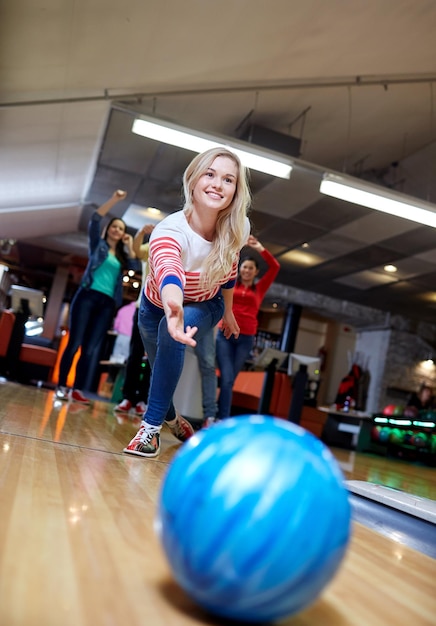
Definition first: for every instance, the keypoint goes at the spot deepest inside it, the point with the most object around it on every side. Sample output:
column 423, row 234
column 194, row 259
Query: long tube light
column 262, row 160
column 373, row 197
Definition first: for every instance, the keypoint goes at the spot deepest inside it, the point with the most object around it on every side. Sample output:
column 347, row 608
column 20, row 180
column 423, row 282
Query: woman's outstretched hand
column 175, row 323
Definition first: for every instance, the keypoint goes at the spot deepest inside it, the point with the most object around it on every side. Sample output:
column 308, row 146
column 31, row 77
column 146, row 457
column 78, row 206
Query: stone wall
column 405, row 368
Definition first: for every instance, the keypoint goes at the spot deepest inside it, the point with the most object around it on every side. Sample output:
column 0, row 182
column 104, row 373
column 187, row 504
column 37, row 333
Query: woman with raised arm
column 248, row 295
column 101, row 291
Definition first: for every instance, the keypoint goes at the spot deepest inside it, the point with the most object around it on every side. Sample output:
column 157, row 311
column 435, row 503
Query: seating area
column 247, row 393
column 33, row 361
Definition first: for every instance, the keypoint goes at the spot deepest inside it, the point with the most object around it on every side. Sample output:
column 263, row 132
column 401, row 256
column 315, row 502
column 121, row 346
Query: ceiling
column 352, row 83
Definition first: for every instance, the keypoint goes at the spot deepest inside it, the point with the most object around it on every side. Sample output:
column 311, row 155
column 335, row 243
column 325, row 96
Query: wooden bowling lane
column 380, row 583
column 419, row 480
column 36, row 413
column 77, row 545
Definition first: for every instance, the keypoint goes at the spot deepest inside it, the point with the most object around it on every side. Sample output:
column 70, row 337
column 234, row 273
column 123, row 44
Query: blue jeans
column 166, row 356
column 205, row 353
column 91, row 316
column 231, row 355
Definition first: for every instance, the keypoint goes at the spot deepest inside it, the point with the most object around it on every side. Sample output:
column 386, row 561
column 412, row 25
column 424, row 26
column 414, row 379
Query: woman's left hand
column 230, row 326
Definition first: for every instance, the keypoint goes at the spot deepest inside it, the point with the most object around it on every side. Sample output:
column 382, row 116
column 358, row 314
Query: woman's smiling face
column 116, row 230
column 248, row 271
column 215, row 189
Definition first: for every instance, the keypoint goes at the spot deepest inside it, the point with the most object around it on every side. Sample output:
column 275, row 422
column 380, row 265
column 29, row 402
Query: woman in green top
column 100, row 293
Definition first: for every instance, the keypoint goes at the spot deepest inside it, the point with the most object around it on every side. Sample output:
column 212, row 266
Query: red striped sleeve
column 165, row 260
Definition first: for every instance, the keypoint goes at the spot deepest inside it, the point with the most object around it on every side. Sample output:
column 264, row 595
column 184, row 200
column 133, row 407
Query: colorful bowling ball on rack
column 408, row 436
column 375, row 433
column 396, row 436
column 384, row 435
column 411, row 412
column 419, row 440
column 399, row 410
column 389, row 409
column 254, row 518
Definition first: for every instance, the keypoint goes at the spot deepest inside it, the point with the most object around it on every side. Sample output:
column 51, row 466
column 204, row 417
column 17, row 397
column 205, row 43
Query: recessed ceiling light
column 390, row 268
column 301, row 257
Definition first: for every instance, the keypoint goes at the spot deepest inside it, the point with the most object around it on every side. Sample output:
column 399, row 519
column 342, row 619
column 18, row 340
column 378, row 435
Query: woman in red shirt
column 248, row 294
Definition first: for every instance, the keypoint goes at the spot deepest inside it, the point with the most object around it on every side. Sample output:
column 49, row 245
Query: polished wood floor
column 77, row 546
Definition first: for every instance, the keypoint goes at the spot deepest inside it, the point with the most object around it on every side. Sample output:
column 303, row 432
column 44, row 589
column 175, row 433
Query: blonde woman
column 193, row 265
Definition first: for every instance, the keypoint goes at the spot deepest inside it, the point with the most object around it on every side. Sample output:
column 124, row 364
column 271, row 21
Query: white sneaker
column 62, row 393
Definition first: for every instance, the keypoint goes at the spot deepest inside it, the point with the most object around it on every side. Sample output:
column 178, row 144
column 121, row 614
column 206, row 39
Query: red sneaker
column 77, row 396
column 123, row 407
column 146, row 442
column 180, row 428
column 140, row 408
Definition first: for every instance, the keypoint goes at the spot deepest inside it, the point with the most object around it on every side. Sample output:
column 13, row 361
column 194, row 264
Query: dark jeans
column 137, row 377
column 231, row 355
column 167, row 355
column 91, row 316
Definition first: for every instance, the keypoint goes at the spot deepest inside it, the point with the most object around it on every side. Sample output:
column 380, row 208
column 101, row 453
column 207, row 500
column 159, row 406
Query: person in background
column 135, row 392
column 206, row 356
column 193, row 265
column 137, row 378
column 123, row 326
column 248, row 295
column 424, row 399
column 100, row 293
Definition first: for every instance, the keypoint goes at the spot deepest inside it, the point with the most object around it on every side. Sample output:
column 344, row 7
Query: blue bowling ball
column 254, row 518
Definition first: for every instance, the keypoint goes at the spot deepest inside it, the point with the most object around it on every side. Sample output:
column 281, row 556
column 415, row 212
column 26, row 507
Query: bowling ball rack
column 399, row 436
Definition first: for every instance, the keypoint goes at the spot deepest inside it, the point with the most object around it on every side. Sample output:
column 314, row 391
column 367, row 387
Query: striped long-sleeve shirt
column 177, row 256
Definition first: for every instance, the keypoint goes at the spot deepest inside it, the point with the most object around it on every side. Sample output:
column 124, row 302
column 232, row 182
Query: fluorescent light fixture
column 259, row 159
column 378, row 198
column 136, row 216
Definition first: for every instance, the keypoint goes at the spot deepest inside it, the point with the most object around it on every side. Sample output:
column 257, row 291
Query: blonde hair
column 230, row 232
